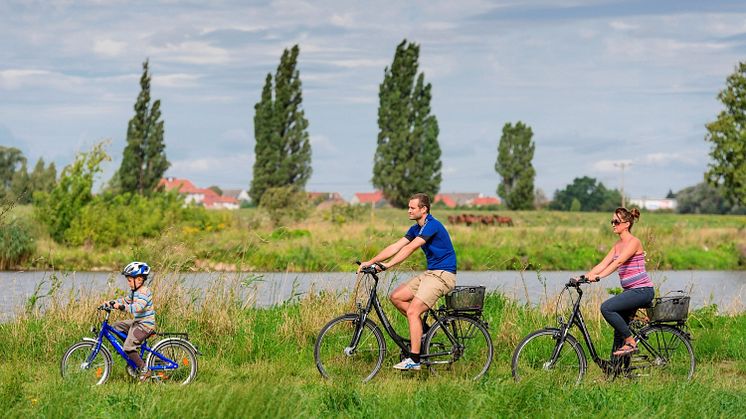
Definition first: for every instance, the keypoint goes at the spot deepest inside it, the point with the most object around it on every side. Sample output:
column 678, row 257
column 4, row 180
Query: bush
column 16, row 244
column 286, row 203
column 112, row 220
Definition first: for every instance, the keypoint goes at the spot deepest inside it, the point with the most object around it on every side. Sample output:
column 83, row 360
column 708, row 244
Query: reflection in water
column 727, row 289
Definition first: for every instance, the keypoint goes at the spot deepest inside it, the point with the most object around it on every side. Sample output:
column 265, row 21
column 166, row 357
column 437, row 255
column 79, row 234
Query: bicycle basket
column 673, row 308
column 465, row 298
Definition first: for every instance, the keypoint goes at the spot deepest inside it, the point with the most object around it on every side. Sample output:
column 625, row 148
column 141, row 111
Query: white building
column 654, row 204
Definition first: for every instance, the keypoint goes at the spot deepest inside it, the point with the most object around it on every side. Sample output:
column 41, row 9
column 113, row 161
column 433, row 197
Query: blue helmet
column 136, row 269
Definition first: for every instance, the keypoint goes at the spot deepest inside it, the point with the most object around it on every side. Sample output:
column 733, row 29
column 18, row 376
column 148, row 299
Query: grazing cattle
column 471, row 219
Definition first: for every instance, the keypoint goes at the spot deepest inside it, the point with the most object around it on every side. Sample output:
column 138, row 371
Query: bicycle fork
column 350, row 350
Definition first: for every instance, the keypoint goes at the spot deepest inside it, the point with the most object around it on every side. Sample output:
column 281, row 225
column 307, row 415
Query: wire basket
column 465, row 298
column 670, row 308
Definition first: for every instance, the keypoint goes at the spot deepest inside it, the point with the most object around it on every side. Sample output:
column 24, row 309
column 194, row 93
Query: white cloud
column 622, row 26
column 608, row 166
column 212, row 164
column 666, row 159
column 175, row 80
column 108, row 47
column 193, row 52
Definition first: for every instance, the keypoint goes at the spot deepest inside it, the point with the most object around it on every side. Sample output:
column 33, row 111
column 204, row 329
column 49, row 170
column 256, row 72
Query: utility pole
column 622, row 165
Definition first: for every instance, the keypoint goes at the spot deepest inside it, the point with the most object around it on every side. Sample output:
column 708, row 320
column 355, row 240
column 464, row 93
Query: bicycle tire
column 179, row 352
column 470, row 359
column 666, row 353
column 532, row 355
column 334, row 360
column 73, row 364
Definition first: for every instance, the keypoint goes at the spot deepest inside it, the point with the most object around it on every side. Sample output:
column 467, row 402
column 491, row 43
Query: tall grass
column 259, row 363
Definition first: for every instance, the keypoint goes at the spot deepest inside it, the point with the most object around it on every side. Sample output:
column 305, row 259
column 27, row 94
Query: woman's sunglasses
column 616, row 222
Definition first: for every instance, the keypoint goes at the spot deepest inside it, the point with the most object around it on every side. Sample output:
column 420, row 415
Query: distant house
column 370, row 198
column 325, row 199
column 654, row 204
column 241, row 194
column 465, row 199
column 485, row 201
column 194, row 195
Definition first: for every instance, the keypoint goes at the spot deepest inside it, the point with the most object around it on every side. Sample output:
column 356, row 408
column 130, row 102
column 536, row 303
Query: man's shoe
column 408, row 364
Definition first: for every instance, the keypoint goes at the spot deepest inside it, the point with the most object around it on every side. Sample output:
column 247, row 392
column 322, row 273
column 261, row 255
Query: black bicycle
column 664, row 349
column 455, row 343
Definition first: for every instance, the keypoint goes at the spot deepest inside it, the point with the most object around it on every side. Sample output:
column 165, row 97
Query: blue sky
column 600, row 82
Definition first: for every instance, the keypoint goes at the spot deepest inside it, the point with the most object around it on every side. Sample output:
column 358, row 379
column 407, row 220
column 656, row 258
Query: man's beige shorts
column 431, row 285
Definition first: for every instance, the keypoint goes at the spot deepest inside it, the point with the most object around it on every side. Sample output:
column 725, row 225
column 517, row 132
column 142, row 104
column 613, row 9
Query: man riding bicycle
column 420, row 293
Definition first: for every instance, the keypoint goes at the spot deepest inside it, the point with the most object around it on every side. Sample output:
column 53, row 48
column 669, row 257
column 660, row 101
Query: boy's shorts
column 136, row 334
column 431, row 285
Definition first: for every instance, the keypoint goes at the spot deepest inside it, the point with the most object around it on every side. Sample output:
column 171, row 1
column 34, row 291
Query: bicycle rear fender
column 173, row 339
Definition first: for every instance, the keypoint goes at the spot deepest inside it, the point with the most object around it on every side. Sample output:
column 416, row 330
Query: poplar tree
column 514, row 154
column 282, row 148
column 728, row 137
column 407, row 159
column 144, row 159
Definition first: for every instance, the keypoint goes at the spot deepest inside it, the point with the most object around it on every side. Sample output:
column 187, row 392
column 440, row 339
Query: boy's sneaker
column 407, row 364
column 145, row 374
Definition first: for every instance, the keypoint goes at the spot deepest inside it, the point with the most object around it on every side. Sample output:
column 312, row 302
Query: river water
column 727, row 289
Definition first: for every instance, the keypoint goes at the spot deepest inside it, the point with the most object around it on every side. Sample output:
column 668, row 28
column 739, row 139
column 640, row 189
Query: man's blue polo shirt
column 438, row 247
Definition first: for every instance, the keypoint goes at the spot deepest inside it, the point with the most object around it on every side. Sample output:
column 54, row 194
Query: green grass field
column 545, row 240
column 259, row 363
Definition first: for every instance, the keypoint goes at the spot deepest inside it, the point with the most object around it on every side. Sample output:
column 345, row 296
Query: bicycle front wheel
column 465, row 354
column 337, row 359
column 173, row 361
column 78, row 366
column 665, row 352
column 541, row 354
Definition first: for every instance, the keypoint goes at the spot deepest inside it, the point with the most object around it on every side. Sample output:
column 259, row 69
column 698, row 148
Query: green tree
column 728, row 137
column 590, row 194
column 43, row 178
column 11, row 159
column 144, row 159
column 20, row 185
column 704, row 198
column 67, row 199
column 407, row 159
column 282, row 148
column 514, row 155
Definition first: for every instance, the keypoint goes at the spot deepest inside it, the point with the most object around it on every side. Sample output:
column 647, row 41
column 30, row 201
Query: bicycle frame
column 576, row 318
column 114, row 336
column 400, row 341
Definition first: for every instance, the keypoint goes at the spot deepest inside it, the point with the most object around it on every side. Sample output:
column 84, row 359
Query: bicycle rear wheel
column 533, row 357
column 334, row 357
column 468, row 357
column 77, row 366
column 665, row 352
column 173, row 351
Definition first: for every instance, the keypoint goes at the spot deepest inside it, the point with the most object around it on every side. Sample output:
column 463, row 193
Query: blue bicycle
column 172, row 359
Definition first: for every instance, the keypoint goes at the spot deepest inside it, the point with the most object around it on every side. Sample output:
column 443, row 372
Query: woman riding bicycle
column 628, row 257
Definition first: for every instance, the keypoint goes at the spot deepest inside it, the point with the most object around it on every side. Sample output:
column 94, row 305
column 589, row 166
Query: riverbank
column 538, row 240
column 259, row 363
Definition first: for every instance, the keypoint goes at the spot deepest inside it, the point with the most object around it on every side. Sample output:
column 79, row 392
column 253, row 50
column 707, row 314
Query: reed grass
column 259, row 363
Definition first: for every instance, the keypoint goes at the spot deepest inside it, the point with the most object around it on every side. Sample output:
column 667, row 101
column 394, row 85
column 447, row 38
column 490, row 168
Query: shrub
column 112, row 220
column 286, row 203
column 16, row 244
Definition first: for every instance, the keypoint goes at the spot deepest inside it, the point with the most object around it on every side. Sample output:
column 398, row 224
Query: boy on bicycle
column 140, row 304
column 420, row 293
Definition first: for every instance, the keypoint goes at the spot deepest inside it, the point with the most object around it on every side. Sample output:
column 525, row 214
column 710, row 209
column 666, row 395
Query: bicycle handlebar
column 372, row 268
column 576, row 282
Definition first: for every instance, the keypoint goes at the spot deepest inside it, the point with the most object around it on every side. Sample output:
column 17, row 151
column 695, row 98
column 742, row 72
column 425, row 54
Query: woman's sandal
column 625, row 349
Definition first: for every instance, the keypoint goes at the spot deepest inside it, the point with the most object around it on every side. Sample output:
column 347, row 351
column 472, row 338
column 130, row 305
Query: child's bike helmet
column 136, row 269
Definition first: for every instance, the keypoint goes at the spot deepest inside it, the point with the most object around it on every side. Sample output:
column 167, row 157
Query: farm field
column 327, row 241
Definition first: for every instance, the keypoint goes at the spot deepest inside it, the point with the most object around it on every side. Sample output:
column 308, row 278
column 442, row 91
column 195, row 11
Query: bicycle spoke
column 336, row 359
column 537, row 356
column 468, row 357
column 665, row 353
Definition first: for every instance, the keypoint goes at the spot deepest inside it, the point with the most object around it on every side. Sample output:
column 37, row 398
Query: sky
column 616, row 90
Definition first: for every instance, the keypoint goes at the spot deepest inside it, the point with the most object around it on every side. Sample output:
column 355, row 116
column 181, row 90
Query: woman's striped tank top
column 632, row 273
